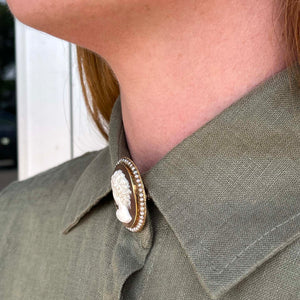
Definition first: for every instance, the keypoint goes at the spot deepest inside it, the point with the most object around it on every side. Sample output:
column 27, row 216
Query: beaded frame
column 139, row 198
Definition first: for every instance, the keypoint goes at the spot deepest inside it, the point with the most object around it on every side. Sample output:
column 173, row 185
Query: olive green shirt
column 223, row 217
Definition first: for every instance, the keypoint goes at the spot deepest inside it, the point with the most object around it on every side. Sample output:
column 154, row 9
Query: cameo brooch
column 129, row 195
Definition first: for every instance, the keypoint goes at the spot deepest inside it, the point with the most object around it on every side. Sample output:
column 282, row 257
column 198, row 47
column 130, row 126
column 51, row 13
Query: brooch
column 129, row 195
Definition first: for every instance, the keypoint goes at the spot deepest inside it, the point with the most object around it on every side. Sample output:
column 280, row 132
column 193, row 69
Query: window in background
column 8, row 127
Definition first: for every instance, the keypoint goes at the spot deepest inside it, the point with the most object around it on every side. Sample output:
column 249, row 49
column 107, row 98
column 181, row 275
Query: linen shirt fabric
column 223, row 217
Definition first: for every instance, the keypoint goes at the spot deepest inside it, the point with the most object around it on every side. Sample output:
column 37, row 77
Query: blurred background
column 43, row 119
column 8, row 125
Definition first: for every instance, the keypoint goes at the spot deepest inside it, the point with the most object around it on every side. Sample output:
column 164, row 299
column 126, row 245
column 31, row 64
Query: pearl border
column 140, row 194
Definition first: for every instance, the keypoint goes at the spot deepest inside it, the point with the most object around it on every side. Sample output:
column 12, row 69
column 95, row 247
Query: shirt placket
column 128, row 256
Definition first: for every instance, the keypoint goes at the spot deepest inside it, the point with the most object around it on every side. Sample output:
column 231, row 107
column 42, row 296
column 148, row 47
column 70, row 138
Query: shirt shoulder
column 63, row 175
column 51, row 188
column 36, row 257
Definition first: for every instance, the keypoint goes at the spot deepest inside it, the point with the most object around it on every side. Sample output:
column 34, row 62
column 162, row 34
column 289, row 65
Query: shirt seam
column 240, row 254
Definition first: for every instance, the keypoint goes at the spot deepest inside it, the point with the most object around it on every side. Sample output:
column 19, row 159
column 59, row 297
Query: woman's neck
column 191, row 61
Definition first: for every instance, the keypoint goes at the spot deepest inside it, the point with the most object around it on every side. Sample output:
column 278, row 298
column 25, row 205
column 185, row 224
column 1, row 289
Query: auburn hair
column 100, row 86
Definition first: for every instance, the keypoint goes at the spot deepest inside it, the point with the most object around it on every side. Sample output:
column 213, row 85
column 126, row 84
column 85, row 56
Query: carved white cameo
column 121, row 193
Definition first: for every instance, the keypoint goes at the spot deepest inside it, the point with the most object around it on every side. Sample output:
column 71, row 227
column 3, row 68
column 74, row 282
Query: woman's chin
column 55, row 17
column 32, row 13
column 87, row 23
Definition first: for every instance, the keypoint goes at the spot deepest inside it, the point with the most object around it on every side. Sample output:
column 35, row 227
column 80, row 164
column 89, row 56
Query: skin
column 179, row 63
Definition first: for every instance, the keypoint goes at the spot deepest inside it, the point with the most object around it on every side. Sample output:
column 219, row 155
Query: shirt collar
column 230, row 191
